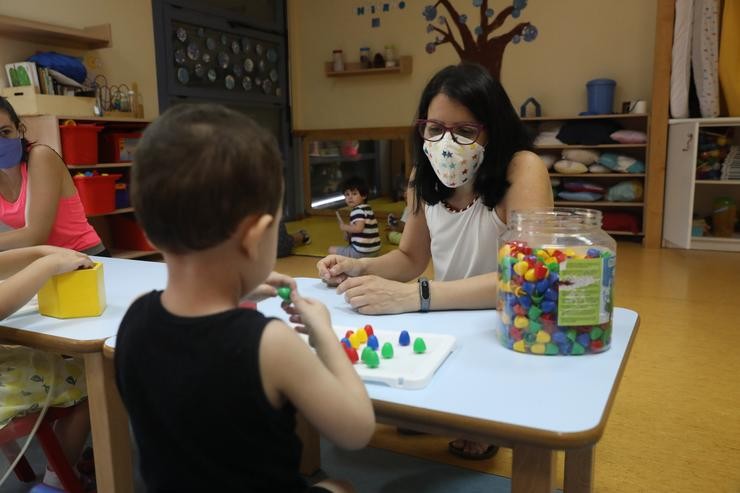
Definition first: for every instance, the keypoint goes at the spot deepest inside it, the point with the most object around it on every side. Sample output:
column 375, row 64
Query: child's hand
column 339, row 217
column 312, row 318
column 64, row 260
column 268, row 289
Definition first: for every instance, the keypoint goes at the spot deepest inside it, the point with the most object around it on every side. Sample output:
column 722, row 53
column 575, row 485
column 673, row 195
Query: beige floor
column 675, row 425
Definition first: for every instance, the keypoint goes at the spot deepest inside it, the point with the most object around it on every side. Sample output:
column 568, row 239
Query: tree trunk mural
column 481, row 45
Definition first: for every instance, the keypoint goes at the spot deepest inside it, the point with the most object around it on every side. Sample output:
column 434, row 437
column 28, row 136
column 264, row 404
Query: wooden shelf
column 99, row 166
column 117, row 211
column 624, row 233
column 598, row 203
column 598, row 175
column 583, row 117
column 717, row 182
column 716, row 243
column 91, row 38
column 339, row 158
column 110, row 119
column 354, row 69
column 596, row 146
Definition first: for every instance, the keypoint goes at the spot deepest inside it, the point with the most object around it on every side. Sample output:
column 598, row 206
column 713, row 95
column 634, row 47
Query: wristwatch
column 424, row 294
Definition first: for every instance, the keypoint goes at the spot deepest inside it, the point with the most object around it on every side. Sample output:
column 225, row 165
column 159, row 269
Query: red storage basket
column 80, row 143
column 127, row 235
column 118, row 147
column 97, row 192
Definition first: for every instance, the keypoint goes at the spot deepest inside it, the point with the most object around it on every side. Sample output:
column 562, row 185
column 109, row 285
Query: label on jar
column 580, row 292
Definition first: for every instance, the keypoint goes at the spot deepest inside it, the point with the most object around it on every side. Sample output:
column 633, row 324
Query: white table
column 125, row 280
column 533, row 404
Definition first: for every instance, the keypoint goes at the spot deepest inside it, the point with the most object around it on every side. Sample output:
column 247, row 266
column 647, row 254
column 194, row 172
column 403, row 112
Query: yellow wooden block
column 80, row 293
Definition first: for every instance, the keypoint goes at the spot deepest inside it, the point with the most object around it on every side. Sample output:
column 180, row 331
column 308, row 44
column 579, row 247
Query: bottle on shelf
column 338, row 60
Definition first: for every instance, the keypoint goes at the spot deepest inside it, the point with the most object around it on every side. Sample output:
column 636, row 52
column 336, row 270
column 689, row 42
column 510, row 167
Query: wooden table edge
column 51, row 343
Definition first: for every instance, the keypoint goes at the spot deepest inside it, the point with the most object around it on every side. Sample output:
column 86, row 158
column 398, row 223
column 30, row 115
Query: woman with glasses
column 473, row 165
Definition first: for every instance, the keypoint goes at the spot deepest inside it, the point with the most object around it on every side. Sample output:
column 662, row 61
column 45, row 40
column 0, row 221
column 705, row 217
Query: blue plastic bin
column 600, row 96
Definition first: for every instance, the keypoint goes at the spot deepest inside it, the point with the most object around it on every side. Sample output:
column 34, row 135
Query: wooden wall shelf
column 90, row 38
column 355, row 69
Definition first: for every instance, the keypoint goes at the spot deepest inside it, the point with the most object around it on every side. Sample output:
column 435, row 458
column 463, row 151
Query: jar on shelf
column 390, row 56
column 556, row 281
column 365, row 61
column 338, row 60
column 724, row 216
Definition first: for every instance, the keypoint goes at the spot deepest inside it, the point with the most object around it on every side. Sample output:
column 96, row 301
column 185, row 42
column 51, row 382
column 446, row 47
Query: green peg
column 387, row 351
column 372, row 360
column 419, row 345
column 284, row 292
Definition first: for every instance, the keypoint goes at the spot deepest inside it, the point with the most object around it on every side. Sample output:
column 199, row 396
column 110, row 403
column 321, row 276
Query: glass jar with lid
column 556, row 282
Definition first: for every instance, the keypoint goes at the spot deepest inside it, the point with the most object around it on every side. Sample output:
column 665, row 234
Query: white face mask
column 454, row 164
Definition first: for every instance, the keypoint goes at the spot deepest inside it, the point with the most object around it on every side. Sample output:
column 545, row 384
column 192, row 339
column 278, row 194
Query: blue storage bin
column 600, row 96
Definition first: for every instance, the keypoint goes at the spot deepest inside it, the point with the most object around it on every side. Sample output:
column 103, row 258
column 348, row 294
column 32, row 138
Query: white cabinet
column 687, row 197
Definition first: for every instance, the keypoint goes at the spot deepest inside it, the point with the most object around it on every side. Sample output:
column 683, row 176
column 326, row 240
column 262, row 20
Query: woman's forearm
column 23, row 237
column 479, row 292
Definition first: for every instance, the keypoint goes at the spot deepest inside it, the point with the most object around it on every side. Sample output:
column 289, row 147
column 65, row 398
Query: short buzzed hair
column 198, row 171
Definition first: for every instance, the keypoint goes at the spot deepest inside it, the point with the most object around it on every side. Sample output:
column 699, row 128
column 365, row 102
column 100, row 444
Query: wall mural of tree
column 481, row 45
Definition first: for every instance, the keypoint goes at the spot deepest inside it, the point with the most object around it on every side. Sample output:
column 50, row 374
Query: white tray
column 406, row 370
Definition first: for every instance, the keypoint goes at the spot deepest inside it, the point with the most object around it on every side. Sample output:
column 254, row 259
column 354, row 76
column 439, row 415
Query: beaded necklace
column 456, row 211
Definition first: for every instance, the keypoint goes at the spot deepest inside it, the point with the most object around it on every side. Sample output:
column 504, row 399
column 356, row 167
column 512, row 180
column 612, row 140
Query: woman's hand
column 333, row 269
column 268, row 289
column 373, row 295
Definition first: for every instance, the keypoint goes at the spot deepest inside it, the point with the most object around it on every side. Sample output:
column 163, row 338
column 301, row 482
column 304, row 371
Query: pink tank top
column 70, row 229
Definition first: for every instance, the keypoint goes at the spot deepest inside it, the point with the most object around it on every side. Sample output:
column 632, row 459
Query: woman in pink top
column 39, row 203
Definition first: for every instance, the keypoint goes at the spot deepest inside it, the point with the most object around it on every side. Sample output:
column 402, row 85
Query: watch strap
column 424, row 294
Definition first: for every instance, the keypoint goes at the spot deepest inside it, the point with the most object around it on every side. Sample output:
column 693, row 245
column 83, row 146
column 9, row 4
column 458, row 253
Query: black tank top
column 198, row 410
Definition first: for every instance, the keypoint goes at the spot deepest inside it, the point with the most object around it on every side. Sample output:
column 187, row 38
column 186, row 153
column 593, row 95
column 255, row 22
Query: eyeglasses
column 462, row 133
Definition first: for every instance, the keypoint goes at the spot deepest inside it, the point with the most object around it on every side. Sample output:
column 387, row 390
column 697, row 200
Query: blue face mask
column 11, row 151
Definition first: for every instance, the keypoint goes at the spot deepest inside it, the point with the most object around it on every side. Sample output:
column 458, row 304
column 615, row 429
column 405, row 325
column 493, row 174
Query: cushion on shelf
column 625, row 191
column 580, row 196
column 588, row 132
column 585, row 156
column 598, row 168
column 621, row 164
column 583, row 186
column 620, row 221
column 570, row 167
column 629, row 137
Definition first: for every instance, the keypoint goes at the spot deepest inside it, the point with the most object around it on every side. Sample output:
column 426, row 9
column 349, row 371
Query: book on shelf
column 22, row 74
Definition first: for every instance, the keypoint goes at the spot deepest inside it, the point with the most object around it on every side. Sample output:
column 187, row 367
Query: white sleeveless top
column 464, row 244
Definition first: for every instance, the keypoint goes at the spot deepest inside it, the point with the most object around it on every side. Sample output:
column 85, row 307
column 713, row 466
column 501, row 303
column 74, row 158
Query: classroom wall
column 131, row 55
column 578, row 40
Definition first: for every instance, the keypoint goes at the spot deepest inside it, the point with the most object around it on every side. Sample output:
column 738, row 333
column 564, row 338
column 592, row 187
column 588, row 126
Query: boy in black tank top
column 211, row 388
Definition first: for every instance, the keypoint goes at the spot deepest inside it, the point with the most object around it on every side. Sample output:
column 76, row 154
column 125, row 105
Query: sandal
column 461, row 452
column 306, row 237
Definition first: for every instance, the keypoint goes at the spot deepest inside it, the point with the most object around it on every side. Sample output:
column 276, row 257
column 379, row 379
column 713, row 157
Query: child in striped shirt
column 362, row 231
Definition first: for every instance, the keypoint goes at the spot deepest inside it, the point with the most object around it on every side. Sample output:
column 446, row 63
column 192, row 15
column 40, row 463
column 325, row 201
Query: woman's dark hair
column 472, row 86
column 8, row 108
column 198, row 171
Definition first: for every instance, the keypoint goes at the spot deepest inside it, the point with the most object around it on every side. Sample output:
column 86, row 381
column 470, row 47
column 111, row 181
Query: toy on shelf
column 713, row 148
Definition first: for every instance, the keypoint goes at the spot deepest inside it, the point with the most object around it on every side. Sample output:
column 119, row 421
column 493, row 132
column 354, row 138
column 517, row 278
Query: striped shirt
column 368, row 241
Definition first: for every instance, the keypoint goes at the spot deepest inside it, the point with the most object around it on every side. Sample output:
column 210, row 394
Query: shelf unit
column 353, row 69
column 685, row 196
column 629, row 121
column 44, row 129
column 91, row 38
column 390, row 153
